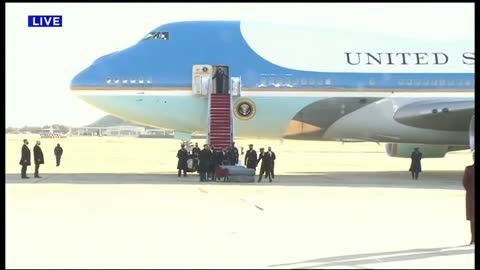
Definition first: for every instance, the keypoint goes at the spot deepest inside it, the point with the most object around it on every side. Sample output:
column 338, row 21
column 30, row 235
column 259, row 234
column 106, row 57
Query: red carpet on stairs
column 220, row 133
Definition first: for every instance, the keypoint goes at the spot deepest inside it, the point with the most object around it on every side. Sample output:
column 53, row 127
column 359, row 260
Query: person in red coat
column 469, row 185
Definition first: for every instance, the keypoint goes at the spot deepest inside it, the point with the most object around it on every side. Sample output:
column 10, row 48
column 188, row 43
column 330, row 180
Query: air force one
column 292, row 82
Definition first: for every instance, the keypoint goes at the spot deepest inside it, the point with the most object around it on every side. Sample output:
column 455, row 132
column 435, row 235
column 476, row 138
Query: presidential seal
column 244, row 109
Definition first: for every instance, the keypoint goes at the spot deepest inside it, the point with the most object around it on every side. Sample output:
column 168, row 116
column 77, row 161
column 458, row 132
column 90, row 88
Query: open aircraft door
column 236, row 84
column 201, row 79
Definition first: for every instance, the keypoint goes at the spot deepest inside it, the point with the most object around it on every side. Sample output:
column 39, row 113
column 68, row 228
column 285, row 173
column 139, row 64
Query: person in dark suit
column 234, row 154
column 469, row 185
column 205, row 158
column 182, row 156
column 266, row 166
column 25, row 160
column 38, row 158
column 58, row 153
column 273, row 157
column 415, row 165
column 220, row 76
column 251, row 158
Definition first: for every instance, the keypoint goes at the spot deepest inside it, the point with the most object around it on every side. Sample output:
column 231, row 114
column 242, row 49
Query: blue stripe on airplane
column 168, row 63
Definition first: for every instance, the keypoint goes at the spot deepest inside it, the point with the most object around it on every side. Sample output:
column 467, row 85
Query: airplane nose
column 83, row 78
column 95, row 75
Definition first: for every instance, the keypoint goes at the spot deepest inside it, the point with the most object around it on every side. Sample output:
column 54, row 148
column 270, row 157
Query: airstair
column 220, row 128
column 220, row 124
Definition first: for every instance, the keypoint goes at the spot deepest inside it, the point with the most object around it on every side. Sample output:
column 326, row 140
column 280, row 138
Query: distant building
column 118, row 131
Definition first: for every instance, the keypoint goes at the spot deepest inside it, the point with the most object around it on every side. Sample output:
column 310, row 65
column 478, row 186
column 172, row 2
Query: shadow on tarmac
column 393, row 179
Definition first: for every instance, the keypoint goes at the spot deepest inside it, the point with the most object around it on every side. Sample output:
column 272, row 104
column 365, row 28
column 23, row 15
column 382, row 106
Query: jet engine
column 404, row 150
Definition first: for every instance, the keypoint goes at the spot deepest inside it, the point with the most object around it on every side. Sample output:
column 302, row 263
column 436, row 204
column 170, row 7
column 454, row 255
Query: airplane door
column 220, row 79
column 236, row 84
column 201, row 79
column 204, row 85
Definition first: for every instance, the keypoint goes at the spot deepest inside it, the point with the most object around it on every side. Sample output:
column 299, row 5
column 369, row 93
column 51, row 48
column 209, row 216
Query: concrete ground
column 331, row 205
column 344, row 220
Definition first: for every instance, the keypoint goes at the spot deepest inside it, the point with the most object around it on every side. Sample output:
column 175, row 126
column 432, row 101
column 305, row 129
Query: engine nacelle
column 471, row 133
column 405, row 150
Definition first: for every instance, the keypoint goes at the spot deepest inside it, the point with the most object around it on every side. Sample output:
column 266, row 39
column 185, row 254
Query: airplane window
column 450, row 82
column 434, row 82
column 263, row 81
column 117, row 80
column 287, row 81
column 295, row 82
column 409, row 82
column 442, row 82
column 270, row 81
column 467, row 83
column 371, row 82
column 426, row 82
column 459, row 82
column 157, row 35
column 279, row 81
column 312, row 81
column 320, row 82
column 327, row 81
column 400, row 82
column 417, row 82
column 304, row 81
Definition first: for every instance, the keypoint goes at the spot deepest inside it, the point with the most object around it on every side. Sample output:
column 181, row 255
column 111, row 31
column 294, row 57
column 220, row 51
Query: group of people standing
column 26, row 157
column 267, row 160
column 206, row 160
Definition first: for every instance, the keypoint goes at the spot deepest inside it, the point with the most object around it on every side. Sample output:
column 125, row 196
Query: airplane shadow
column 451, row 180
column 357, row 260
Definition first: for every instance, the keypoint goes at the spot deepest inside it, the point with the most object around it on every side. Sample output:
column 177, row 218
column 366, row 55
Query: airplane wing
column 452, row 115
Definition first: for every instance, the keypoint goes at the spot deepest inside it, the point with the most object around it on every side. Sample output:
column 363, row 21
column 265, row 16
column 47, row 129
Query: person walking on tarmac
column 416, row 166
column 58, row 151
column 251, row 158
column 273, row 157
column 182, row 156
column 266, row 166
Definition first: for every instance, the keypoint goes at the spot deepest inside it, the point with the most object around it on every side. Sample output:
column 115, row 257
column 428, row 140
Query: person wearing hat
column 415, row 165
column 182, row 156
column 251, row 158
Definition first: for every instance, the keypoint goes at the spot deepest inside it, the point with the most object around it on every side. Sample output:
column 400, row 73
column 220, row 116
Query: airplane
column 290, row 81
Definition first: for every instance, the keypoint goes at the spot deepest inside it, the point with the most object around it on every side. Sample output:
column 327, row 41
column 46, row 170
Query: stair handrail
column 209, row 93
column 231, row 113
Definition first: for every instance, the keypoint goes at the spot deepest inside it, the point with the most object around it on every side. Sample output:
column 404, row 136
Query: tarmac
column 313, row 220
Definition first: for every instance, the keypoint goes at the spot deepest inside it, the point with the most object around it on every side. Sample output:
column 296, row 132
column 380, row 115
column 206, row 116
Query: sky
column 40, row 62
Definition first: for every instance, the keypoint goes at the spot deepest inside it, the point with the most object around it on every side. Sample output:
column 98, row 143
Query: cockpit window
column 157, row 35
